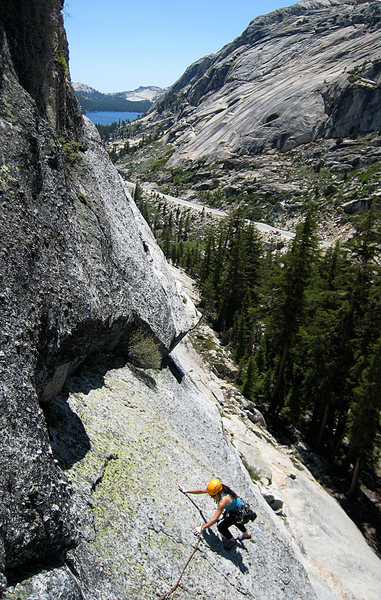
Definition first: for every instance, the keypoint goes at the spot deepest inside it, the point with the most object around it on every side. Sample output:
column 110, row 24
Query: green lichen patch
column 126, row 461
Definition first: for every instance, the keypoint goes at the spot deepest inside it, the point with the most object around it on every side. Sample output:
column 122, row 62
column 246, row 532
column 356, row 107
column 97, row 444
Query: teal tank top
column 235, row 504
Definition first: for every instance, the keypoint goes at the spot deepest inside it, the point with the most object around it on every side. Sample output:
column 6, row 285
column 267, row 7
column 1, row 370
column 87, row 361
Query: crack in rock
column 99, row 479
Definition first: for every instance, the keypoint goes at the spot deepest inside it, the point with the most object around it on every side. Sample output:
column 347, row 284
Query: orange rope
column 182, row 572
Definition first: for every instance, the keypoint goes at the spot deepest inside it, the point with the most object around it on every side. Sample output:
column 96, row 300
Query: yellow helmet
column 214, row 487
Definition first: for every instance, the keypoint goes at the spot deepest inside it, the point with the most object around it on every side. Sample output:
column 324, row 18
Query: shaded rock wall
column 79, row 270
column 40, row 58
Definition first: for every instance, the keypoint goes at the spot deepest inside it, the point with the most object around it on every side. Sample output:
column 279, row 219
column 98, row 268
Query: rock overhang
column 79, row 270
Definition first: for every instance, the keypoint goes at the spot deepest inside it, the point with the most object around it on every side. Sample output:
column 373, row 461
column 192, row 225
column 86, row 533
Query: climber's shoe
column 229, row 544
column 244, row 536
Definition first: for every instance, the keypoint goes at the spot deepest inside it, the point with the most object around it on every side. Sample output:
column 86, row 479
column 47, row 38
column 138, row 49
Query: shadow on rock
column 28, row 570
column 143, row 377
column 216, row 545
column 174, row 368
column 68, row 438
column 67, row 434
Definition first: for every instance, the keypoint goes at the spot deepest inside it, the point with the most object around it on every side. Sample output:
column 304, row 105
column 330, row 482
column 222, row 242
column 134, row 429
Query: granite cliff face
column 126, row 437
column 309, row 71
column 79, row 272
column 89, row 459
column 143, row 433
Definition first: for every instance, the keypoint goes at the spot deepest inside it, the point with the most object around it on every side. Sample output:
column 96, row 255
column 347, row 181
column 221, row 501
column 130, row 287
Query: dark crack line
column 99, row 479
column 69, row 569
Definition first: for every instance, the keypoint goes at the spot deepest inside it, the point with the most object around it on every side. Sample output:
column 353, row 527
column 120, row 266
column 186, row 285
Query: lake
column 108, row 117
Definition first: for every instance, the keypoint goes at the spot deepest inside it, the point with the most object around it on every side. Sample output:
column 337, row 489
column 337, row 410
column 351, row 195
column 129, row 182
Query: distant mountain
column 139, row 100
column 309, row 71
column 150, row 93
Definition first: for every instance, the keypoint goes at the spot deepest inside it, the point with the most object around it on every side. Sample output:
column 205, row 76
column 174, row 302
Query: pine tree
column 166, row 243
column 342, row 330
column 251, row 379
column 138, row 193
column 205, row 272
column 364, row 418
column 289, row 313
column 237, row 264
column 232, row 282
column 320, row 349
column 239, row 335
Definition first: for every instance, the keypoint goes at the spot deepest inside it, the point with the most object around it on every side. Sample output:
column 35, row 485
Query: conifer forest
column 304, row 327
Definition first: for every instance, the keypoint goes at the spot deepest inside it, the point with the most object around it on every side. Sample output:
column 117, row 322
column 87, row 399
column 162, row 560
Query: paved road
column 220, row 213
column 264, row 227
column 200, row 207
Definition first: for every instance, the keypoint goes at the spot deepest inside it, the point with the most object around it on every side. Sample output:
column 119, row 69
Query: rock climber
column 237, row 512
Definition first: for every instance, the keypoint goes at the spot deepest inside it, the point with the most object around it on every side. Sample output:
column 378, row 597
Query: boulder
column 354, row 206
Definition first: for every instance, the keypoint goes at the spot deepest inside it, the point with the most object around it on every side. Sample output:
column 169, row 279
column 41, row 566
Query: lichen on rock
column 79, row 272
column 147, row 431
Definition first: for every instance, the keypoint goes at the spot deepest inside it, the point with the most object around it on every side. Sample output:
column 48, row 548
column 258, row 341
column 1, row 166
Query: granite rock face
column 79, row 271
column 142, row 433
column 126, row 437
column 298, row 74
column 89, row 461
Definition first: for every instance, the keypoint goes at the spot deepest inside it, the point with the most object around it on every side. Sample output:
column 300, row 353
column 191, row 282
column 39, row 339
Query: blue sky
column 117, row 45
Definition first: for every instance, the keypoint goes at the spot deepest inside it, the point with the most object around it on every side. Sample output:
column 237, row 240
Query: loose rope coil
column 182, row 572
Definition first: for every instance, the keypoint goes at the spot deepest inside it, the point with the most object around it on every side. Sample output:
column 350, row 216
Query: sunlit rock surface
column 300, row 73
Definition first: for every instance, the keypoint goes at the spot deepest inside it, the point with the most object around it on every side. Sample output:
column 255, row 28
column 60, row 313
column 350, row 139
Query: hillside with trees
column 139, row 100
column 303, row 326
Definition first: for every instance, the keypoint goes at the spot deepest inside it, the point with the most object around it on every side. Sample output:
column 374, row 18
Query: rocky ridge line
column 304, row 72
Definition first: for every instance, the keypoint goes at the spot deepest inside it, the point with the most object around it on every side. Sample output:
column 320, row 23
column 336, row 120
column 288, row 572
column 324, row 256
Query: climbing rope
column 182, row 572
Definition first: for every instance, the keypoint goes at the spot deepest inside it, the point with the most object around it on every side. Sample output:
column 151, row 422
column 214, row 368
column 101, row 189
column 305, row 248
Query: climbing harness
column 246, row 514
column 182, row 572
column 243, row 513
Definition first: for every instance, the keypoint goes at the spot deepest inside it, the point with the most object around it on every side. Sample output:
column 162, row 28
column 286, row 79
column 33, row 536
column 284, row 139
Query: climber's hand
column 181, row 488
column 197, row 530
